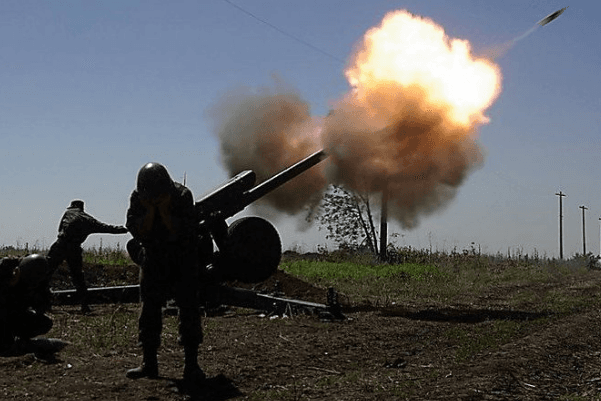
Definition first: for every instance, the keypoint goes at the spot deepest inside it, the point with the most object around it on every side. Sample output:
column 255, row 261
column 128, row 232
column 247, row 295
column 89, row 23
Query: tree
column 348, row 218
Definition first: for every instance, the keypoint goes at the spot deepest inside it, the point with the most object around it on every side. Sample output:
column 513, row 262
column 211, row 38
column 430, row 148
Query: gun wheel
column 254, row 249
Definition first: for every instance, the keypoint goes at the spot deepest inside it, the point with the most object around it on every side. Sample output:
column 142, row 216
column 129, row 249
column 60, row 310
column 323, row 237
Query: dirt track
column 397, row 352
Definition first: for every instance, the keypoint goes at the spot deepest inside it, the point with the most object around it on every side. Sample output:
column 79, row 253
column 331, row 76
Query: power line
column 283, row 32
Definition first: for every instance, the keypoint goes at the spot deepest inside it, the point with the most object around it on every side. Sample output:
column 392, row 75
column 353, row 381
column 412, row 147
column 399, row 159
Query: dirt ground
column 377, row 353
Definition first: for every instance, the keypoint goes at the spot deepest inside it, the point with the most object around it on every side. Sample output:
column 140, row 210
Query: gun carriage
column 249, row 250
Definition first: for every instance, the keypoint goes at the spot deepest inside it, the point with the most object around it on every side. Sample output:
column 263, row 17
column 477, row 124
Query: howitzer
column 249, row 249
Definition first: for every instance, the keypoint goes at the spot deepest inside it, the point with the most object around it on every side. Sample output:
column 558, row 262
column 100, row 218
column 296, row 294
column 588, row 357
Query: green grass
column 387, row 283
column 108, row 256
column 439, row 279
column 369, row 283
column 348, row 270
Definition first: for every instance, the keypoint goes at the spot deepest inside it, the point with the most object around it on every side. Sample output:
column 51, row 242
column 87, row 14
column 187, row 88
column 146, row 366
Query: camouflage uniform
column 74, row 228
column 167, row 254
column 22, row 306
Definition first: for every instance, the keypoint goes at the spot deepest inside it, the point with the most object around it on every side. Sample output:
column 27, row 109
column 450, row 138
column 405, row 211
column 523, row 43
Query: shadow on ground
column 464, row 315
column 218, row 388
column 453, row 315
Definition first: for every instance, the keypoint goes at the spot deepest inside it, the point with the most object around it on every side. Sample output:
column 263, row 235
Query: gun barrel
column 224, row 201
column 284, row 176
column 237, row 193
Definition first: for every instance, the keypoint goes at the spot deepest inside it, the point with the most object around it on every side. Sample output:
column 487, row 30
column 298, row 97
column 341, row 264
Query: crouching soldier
column 24, row 298
column 161, row 220
column 74, row 228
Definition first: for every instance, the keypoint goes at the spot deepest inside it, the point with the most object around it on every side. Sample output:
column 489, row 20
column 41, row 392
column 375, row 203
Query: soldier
column 74, row 228
column 24, row 298
column 161, row 220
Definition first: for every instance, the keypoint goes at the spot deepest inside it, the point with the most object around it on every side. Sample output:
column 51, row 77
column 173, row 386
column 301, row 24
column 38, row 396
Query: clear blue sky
column 90, row 91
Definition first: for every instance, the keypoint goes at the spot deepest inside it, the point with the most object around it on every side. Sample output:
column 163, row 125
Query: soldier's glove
column 163, row 201
column 164, row 207
column 145, row 225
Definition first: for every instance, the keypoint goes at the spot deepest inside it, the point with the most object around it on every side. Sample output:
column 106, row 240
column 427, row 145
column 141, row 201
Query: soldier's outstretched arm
column 98, row 227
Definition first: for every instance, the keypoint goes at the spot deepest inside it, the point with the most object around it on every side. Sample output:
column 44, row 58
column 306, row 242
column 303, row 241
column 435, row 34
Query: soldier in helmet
column 24, row 298
column 74, row 228
column 161, row 220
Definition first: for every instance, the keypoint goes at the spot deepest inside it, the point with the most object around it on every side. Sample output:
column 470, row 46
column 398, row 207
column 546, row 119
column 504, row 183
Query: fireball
column 412, row 51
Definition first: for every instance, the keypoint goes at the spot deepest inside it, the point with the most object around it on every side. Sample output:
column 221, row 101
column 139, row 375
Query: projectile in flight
column 551, row 17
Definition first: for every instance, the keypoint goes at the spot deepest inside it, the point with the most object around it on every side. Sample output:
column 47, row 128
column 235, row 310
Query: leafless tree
column 348, row 217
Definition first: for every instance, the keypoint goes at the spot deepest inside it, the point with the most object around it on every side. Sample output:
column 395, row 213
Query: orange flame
column 410, row 50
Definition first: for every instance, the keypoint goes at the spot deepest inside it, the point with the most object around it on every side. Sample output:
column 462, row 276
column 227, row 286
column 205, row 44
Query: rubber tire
column 253, row 249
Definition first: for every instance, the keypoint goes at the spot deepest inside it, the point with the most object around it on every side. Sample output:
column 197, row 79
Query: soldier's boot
column 149, row 368
column 193, row 374
column 82, row 294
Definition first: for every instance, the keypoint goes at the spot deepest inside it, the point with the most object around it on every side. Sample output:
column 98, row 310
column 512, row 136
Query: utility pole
column 583, row 230
column 599, row 236
column 384, row 225
column 561, row 195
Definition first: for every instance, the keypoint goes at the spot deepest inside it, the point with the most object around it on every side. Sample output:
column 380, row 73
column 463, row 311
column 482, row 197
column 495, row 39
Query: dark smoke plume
column 266, row 131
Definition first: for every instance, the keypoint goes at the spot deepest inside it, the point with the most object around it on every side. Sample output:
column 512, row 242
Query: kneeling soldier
column 24, row 299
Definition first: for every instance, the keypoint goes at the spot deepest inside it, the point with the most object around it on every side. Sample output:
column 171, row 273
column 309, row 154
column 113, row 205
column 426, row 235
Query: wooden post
column 561, row 195
column 583, row 231
column 384, row 225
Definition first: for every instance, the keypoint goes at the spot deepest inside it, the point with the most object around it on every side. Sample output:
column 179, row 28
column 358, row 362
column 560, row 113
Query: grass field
column 111, row 256
column 433, row 278
column 423, row 322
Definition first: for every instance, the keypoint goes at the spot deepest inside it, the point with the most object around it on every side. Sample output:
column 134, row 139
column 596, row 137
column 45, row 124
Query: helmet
column 153, row 180
column 8, row 271
column 33, row 270
column 78, row 204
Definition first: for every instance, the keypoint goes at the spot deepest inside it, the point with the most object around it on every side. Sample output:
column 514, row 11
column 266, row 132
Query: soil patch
column 484, row 350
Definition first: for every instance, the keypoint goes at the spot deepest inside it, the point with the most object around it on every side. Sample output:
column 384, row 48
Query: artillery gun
column 249, row 250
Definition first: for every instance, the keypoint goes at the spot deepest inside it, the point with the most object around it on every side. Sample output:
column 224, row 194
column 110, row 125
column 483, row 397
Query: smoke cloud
column 413, row 154
column 267, row 130
column 407, row 127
